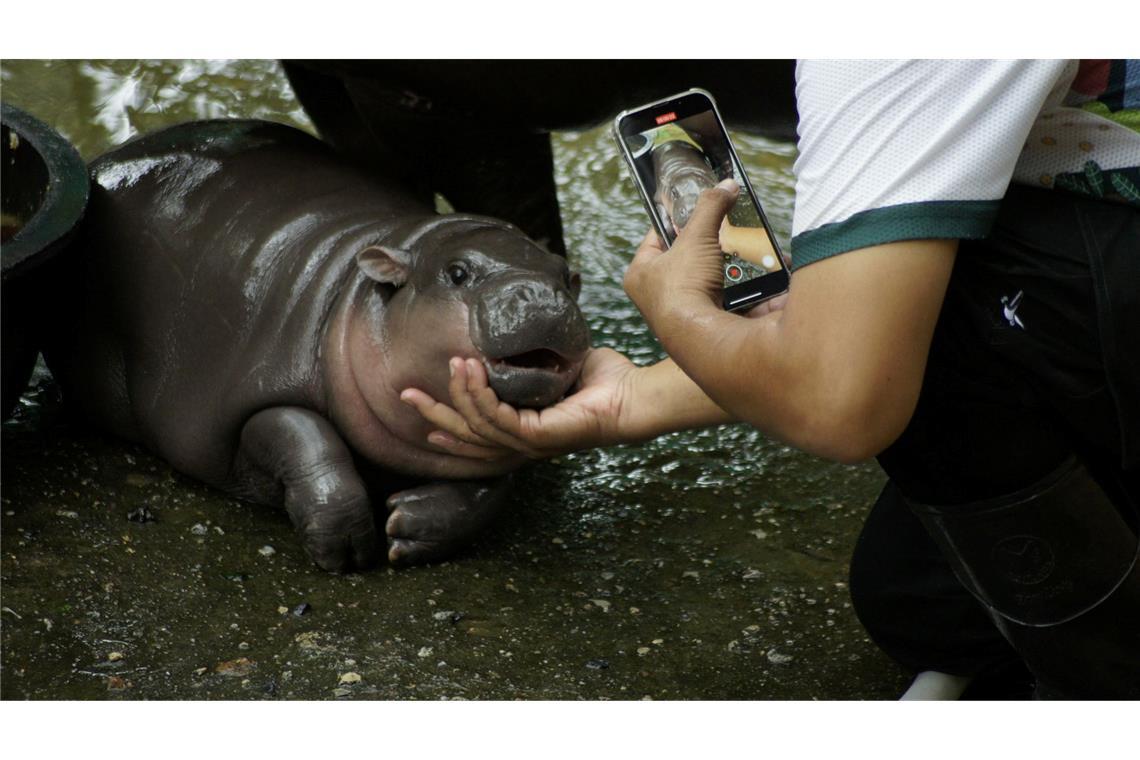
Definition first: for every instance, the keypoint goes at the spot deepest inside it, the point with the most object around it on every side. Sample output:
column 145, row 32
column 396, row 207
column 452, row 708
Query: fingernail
column 451, row 367
column 728, row 184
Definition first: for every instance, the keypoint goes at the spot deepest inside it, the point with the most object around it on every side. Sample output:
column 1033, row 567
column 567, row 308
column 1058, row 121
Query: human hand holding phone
column 676, row 148
column 671, row 285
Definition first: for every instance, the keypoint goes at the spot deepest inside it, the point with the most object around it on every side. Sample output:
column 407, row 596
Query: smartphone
column 677, row 147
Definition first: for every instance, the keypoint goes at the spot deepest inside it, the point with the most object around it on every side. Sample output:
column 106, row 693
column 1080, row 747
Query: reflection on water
column 726, row 547
column 100, row 104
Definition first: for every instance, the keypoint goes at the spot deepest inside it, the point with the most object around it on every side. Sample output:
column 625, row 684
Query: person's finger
column 649, row 249
column 464, row 404
column 469, row 381
column 453, row 445
column 767, row 307
column 652, row 240
column 496, row 421
column 712, row 206
column 440, row 415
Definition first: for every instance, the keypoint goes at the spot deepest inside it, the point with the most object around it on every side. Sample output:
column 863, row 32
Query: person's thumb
column 712, row 207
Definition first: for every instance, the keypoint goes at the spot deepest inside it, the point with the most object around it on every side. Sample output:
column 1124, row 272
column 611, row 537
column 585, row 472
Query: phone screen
column 678, row 148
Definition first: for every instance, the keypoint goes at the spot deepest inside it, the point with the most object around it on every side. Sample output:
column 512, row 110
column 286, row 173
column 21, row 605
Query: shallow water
column 704, row 565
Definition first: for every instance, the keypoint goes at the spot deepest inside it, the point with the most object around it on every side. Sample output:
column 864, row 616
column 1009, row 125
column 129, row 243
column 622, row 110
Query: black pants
column 1036, row 358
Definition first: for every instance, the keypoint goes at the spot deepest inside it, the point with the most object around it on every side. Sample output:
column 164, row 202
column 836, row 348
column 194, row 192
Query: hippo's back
column 210, row 258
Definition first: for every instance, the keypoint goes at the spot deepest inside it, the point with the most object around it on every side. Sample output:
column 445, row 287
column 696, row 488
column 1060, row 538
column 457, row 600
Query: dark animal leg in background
column 299, row 452
column 501, row 171
column 430, row 522
column 509, row 176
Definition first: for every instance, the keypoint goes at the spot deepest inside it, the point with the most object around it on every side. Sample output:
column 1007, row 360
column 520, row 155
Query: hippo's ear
column 575, row 284
column 385, row 264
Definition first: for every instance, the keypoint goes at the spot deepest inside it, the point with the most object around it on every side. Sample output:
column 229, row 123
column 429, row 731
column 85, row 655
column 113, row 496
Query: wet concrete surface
column 123, row 579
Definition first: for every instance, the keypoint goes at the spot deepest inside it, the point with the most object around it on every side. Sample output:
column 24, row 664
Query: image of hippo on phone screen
column 678, row 160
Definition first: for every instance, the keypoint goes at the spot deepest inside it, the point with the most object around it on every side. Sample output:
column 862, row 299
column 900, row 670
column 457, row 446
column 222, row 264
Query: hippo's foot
column 302, row 456
column 431, row 522
column 339, row 537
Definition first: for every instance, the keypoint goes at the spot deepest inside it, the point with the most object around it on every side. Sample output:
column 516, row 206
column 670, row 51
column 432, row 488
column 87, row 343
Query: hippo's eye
column 457, row 273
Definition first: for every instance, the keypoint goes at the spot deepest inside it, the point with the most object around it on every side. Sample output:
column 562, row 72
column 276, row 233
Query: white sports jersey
column 904, row 150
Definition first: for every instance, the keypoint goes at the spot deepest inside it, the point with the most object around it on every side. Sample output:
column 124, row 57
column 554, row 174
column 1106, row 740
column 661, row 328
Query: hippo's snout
column 532, row 337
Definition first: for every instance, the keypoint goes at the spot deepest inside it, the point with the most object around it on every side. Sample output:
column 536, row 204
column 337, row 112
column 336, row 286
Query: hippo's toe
column 343, row 551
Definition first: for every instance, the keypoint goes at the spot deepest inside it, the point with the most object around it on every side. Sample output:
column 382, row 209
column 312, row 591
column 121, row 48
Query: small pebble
column 68, row 513
column 425, row 652
column 267, row 551
column 643, row 651
column 282, row 610
column 243, row 645
column 350, row 677
column 776, row 658
column 302, row 609
column 141, row 515
column 443, row 614
column 597, row 664
column 114, row 656
column 239, row 667
column 198, row 529
column 602, row 603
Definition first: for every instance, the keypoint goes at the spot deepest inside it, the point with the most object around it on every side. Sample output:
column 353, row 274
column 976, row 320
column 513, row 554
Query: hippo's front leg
column 299, row 454
column 430, row 522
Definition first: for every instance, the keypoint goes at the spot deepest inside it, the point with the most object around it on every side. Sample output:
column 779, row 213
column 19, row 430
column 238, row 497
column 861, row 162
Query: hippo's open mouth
column 534, row 378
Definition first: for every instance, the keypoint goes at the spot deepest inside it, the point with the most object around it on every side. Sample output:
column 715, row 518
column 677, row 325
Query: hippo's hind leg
column 431, row 522
column 296, row 454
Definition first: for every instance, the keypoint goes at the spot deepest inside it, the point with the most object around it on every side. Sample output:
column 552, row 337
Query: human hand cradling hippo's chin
column 481, row 426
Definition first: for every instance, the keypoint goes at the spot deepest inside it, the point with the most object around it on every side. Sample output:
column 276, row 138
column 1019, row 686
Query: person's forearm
column 663, row 399
column 746, row 367
column 818, row 374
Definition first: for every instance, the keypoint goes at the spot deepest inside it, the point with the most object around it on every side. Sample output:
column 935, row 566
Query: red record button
column 733, row 272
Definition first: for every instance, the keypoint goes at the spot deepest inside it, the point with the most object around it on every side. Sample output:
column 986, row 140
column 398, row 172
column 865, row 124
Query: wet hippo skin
column 249, row 307
column 478, row 131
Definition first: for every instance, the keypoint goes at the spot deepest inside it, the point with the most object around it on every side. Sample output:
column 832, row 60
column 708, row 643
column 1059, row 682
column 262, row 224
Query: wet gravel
column 654, row 597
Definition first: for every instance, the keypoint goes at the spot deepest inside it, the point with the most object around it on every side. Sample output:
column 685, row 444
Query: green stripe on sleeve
column 907, row 221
